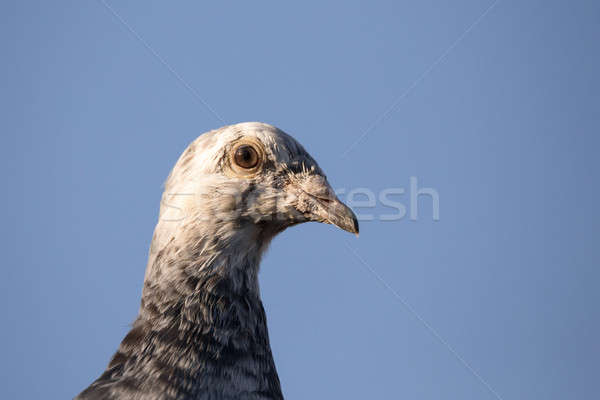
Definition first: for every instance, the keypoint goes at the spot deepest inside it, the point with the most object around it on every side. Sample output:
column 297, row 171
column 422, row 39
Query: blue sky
column 497, row 109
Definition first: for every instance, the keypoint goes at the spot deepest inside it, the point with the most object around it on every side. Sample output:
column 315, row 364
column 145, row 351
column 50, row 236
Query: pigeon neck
column 202, row 327
column 199, row 267
column 225, row 252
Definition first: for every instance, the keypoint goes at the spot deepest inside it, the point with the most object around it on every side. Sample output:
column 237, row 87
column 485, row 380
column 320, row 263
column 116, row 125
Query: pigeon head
column 232, row 190
column 250, row 178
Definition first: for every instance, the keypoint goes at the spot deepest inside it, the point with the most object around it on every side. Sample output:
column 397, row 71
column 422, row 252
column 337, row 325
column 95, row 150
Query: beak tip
column 356, row 230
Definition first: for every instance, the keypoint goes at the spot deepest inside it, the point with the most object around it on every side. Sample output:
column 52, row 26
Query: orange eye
column 246, row 156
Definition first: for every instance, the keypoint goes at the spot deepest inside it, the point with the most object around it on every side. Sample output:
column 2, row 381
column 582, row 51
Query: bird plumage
column 201, row 331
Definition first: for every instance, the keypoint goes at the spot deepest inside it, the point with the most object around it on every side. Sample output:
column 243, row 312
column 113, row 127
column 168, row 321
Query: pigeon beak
column 318, row 202
column 333, row 211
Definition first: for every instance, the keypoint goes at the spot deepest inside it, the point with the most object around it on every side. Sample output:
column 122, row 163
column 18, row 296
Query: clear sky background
column 500, row 113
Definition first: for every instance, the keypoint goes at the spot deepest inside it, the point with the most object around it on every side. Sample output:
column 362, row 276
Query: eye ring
column 246, row 156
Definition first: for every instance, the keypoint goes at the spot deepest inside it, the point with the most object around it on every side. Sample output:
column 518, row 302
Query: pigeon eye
column 246, row 156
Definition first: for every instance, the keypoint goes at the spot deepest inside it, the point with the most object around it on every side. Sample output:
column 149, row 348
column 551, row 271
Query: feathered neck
column 201, row 332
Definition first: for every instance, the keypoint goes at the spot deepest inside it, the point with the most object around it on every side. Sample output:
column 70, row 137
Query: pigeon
column 201, row 331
